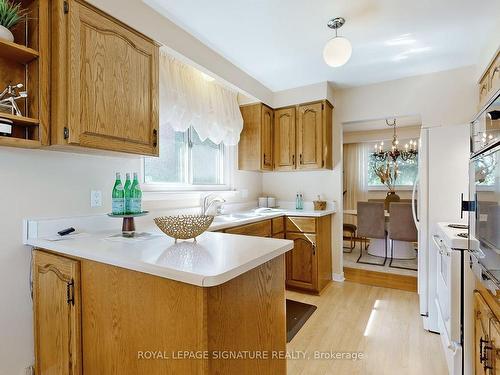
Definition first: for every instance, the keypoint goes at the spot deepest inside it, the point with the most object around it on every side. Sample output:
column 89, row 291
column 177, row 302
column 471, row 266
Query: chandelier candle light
column 410, row 151
column 388, row 172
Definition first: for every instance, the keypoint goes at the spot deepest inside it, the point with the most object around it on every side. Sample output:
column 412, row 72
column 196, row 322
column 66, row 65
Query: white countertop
column 213, row 260
column 238, row 218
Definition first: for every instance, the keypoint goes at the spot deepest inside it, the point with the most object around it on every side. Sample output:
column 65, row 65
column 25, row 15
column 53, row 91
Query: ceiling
column 280, row 42
column 377, row 124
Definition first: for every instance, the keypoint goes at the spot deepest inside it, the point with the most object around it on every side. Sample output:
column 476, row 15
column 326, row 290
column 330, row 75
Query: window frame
column 226, row 170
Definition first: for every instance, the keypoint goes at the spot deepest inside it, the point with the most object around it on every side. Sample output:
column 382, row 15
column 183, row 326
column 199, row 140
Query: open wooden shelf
column 20, row 120
column 19, row 142
column 17, row 52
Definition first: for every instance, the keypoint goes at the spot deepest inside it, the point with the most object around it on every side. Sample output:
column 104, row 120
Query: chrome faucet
column 208, row 202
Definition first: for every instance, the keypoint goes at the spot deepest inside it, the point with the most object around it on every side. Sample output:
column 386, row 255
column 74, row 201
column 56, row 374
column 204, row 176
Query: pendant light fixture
column 337, row 50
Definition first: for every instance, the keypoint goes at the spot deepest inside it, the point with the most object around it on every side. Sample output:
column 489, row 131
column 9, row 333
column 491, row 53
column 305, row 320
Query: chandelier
column 410, row 151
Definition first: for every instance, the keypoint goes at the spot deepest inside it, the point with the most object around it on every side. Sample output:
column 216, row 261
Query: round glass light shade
column 337, row 51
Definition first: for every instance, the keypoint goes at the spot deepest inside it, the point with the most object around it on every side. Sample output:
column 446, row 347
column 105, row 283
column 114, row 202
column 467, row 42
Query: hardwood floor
column 381, row 279
column 384, row 324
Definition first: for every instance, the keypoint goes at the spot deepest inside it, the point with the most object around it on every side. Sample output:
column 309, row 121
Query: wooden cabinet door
column 486, row 338
column 259, row 229
column 267, row 139
column 493, row 352
column 56, row 304
column 112, row 84
column 284, row 139
column 494, row 75
column 301, row 262
column 310, row 136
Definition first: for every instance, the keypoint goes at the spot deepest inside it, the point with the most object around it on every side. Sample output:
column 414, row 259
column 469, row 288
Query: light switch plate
column 95, row 198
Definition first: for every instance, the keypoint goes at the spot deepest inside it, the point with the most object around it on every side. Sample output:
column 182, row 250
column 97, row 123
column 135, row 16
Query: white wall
column 36, row 183
column 443, row 98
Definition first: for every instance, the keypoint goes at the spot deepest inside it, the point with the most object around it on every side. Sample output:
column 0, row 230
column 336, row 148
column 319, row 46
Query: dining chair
column 401, row 228
column 371, row 224
column 351, row 230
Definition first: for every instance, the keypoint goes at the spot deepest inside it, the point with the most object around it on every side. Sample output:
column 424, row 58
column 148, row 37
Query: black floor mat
column 297, row 314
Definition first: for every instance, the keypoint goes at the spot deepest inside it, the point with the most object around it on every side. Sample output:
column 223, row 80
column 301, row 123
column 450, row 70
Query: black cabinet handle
column 155, row 137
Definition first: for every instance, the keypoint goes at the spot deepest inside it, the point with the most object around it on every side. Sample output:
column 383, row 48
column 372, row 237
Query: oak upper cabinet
column 284, row 139
column 255, row 149
column 489, row 83
column 303, row 137
column 314, row 136
column 310, row 136
column 56, row 303
column 105, row 82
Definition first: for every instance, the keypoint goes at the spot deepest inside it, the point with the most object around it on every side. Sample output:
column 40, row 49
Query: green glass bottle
column 118, row 197
column 126, row 188
column 135, row 196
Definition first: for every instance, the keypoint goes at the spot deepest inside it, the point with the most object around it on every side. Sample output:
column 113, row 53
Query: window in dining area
column 408, row 171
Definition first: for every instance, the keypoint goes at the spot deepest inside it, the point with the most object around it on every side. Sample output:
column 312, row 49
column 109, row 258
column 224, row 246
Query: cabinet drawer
column 301, row 224
column 278, row 225
column 261, row 229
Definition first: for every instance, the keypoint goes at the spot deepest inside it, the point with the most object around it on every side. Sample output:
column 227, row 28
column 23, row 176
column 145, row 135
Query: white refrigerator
column 443, row 177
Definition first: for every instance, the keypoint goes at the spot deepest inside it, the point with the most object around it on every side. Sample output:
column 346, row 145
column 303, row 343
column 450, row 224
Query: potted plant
column 10, row 14
column 388, row 174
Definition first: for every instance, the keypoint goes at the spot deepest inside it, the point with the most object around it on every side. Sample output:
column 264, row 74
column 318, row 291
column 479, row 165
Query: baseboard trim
column 338, row 277
column 381, row 279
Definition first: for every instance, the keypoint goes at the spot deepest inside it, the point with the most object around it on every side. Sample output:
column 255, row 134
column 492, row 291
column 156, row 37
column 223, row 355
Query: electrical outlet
column 244, row 193
column 95, row 198
column 30, row 370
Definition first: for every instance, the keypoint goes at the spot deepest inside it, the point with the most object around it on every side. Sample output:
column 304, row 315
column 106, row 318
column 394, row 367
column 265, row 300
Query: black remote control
column 66, row 231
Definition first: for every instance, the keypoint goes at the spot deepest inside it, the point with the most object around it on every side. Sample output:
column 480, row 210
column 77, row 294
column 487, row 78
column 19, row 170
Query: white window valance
column 187, row 99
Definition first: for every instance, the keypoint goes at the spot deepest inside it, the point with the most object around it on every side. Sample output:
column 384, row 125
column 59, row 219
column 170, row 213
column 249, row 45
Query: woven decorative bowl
column 184, row 227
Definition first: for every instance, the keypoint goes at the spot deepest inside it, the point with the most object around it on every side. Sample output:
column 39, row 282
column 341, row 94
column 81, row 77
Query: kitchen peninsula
column 108, row 305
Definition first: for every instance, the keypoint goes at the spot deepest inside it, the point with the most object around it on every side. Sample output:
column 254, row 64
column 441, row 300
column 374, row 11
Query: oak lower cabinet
column 486, row 336
column 93, row 318
column 104, row 82
column 302, row 262
column 255, row 149
column 309, row 264
column 259, row 229
column 56, row 304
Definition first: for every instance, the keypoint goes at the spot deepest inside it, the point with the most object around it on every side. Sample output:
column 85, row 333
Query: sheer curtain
column 355, row 177
column 188, row 98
